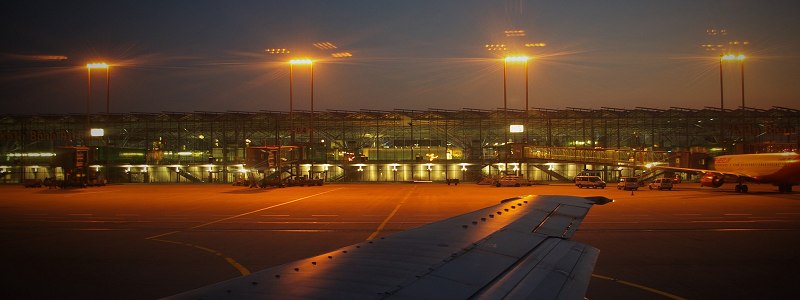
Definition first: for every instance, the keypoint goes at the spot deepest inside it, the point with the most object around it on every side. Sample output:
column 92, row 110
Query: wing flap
column 733, row 175
column 562, row 221
column 475, row 269
column 559, row 270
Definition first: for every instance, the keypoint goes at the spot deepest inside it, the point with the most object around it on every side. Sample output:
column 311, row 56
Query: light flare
column 521, row 58
column 100, row 65
column 301, row 61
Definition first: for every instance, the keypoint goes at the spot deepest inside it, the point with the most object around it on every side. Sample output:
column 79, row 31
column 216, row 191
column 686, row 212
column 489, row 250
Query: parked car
column 510, row 180
column 661, row 184
column 628, row 183
column 589, row 182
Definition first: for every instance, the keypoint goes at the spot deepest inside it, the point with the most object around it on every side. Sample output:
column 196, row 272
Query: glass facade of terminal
column 385, row 146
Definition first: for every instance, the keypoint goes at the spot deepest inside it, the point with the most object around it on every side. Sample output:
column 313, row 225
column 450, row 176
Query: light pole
column 291, row 72
column 105, row 66
column 507, row 60
column 92, row 132
column 304, row 61
column 325, row 46
column 108, row 89
column 741, row 58
column 505, row 115
column 721, row 100
column 310, row 63
column 89, row 68
column 722, row 58
column 293, row 62
column 731, row 57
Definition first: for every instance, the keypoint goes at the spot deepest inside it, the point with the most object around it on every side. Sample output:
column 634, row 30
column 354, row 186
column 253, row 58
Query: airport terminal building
column 383, row 146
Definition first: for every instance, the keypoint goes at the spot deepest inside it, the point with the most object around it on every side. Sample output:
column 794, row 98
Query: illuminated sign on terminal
column 31, row 154
column 516, row 128
column 97, row 132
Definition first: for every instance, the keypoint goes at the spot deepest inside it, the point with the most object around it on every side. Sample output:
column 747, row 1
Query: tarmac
column 138, row 241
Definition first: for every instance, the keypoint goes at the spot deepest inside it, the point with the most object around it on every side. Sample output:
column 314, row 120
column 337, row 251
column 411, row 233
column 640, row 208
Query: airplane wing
column 519, row 248
column 735, row 176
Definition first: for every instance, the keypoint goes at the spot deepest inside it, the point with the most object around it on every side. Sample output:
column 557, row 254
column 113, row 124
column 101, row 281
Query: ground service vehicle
column 661, row 184
column 589, row 182
column 628, row 183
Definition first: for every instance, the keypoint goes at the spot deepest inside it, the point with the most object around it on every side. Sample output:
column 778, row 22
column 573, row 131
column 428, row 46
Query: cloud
column 31, row 57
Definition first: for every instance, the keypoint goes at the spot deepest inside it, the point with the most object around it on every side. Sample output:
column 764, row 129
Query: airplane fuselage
column 774, row 168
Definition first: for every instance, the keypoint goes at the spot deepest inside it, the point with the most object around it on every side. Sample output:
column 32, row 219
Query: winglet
column 511, row 199
column 599, row 200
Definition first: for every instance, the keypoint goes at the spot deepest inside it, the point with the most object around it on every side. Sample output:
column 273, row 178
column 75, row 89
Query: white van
column 589, row 182
column 661, row 184
column 628, row 183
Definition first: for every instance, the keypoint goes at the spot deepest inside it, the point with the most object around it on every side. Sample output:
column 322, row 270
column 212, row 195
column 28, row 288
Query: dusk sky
column 415, row 54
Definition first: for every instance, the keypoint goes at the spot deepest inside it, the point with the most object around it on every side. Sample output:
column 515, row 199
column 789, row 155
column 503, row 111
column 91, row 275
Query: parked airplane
column 518, row 249
column 780, row 169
